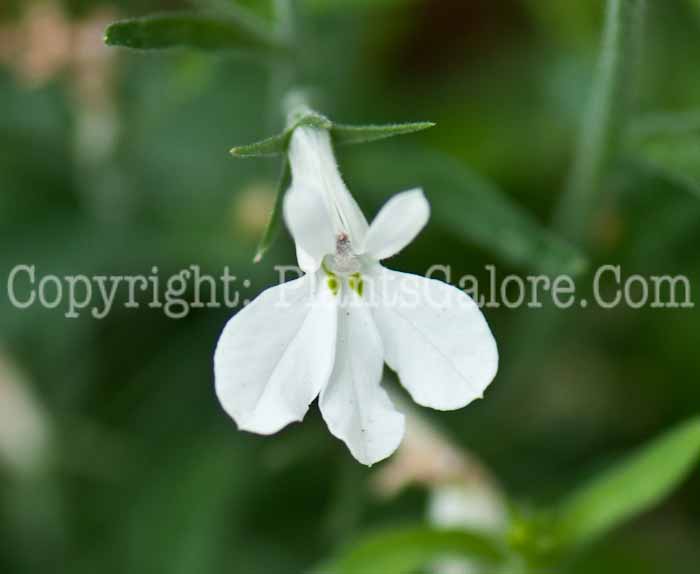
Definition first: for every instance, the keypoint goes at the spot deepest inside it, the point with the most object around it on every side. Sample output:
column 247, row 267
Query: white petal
column 312, row 230
column 276, row 354
column 355, row 407
column 307, row 263
column 434, row 337
column 397, row 224
column 314, row 170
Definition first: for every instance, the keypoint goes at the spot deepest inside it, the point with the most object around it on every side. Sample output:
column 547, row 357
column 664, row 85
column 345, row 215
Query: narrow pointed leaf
column 631, row 487
column 275, row 221
column 274, row 145
column 342, row 134
column 407, row 550
column 278, row 144
column 192, row 30
column 346, row 134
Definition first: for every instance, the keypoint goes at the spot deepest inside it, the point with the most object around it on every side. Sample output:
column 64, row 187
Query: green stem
column 282, row 74
column 284, row 12
column 283, row 77
column 604, row 119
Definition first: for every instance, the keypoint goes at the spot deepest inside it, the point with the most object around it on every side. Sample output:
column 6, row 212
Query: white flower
column 329, row 332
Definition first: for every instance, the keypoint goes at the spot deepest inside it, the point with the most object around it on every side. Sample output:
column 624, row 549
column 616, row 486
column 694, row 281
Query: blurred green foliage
column 403, row 551
column 192, row 30
column 145, row 472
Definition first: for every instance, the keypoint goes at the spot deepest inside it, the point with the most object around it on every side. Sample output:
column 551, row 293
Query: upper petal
column 308, row 222
column 397, row 224
column 275, row 355
column 355, row 407
column 435, row 338
column 314, row 170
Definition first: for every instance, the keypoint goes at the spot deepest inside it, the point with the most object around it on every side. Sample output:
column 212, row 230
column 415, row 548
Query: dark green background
column 147, row 474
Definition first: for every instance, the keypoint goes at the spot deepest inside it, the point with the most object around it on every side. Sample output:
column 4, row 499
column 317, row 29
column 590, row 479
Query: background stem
column 605, row 117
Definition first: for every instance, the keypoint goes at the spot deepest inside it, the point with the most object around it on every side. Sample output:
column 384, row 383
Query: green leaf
column 404, row 551
column 631, row 487
column 193, row 30
column 278, row 144
column 341, row 133
column 346, row 134
column 468, row 206
column 271, row 146
column 275, row 221
column 669, row 145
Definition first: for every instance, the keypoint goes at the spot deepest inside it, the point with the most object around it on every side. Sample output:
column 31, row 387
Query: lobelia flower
column 329, row 332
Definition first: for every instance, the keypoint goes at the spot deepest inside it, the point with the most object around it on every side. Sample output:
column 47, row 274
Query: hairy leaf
column 346, row 134
column 277, row 144
column 341, row 133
